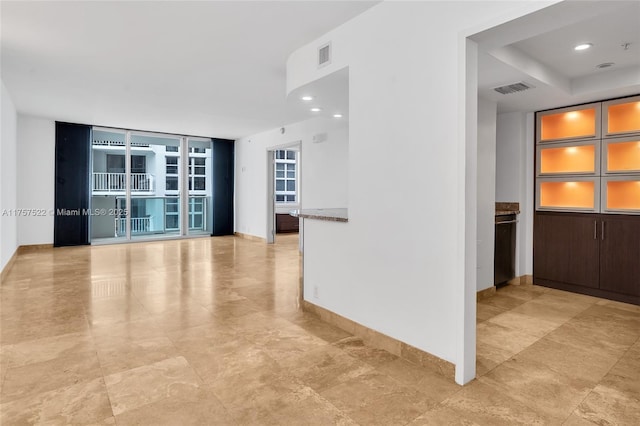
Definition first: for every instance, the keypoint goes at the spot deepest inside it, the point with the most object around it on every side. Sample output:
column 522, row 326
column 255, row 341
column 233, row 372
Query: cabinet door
column 620, row 254
column 287, row 223
column 566, row 248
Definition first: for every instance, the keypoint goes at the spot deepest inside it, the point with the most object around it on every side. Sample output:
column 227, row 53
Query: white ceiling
column 330, row 93
column 545, row 58
column 206, row 68
column 216, row 68
column 607, row 32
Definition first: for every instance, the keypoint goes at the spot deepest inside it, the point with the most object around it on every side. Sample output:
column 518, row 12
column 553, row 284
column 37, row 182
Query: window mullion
column 183, row 179
column 127, row 177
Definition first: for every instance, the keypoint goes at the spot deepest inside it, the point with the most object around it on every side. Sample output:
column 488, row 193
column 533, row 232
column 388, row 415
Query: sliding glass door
column 155, row 197
column 108, row 185
column 139, row 182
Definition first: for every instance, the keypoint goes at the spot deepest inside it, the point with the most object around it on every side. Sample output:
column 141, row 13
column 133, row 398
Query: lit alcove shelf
column 621, row 194
column 622, row 116
column 581, row 122
column 568, row 158
column 572, row 194
column 621, row 155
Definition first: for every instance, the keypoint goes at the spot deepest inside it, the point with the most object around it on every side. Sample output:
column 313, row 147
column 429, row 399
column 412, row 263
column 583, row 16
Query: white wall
column 486, row 191
column 514, row 178
column 323, row 170
column 8, row 178
column 36, row 178
column 509, row 155
column 399, row 266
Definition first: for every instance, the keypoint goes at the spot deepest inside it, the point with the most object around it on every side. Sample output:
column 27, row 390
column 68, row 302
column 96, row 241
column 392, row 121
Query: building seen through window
column 286, row 176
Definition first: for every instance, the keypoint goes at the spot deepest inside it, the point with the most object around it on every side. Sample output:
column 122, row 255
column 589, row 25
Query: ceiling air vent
column 324, row 55
column 513, row 88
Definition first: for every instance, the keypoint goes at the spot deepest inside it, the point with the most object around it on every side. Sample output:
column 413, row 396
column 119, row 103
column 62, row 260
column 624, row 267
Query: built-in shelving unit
column 587, row 222
column 581, row 169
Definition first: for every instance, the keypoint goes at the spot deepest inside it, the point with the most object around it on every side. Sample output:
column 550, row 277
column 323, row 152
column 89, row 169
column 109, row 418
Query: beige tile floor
column 209, row 331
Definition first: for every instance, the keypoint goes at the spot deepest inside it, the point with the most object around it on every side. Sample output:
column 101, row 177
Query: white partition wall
column 8, row 178
column 405, row 267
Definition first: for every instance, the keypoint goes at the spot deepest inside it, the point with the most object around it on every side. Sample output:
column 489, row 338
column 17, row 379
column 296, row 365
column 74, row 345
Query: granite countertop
column 507, row 208
column 332, row 215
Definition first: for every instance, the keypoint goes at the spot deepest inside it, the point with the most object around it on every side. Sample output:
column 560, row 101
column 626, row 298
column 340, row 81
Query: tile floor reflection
column 210, row 331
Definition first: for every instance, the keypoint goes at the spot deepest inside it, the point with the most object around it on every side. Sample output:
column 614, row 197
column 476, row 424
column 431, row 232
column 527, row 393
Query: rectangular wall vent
column 324, row 55
column 319, row 138
column 513, row 88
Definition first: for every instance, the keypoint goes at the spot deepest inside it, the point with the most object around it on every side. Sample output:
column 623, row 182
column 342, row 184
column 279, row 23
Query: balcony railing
column 119, row 143
column 139, row 225
column 117, row 182
column 153, row 216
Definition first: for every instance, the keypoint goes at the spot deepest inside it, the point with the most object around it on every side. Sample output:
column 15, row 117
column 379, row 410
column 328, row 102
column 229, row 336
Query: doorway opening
column 284, row 195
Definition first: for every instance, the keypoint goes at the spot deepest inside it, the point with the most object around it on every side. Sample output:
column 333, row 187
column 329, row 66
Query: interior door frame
column 271, row 196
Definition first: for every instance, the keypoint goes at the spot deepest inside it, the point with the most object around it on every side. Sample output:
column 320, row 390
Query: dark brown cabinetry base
column 286, row 223
column 595, row 254
column 620, row 255
column 565, row 248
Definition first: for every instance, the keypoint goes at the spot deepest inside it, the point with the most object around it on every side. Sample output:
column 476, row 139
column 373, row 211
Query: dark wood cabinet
column 566, row 248
column 286, row 223
column 620, row 254
column 596, row 254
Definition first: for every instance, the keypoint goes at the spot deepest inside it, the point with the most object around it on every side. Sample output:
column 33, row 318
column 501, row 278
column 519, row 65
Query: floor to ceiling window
column 138, row 184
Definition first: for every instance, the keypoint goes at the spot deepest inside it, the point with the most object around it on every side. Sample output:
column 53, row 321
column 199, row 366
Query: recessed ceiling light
column 316, row 109
column 307, row 98
column 337, row 115
column 583, row 46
